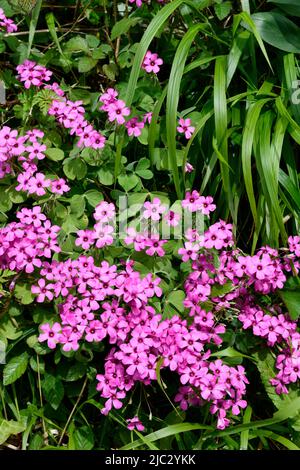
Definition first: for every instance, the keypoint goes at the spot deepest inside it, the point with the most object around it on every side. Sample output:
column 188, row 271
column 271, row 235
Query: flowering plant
column 132, row 280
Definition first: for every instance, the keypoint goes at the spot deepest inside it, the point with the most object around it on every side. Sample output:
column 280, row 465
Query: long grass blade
column 33, row 24
column 173, row 98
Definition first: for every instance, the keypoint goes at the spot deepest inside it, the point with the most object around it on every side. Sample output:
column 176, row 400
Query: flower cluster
column 6, row 23
column 117, row 111
column 69, row 114
column 33, row 74
column 27, row 150
column 24, row 244
column 102, row 302
column 103, row 230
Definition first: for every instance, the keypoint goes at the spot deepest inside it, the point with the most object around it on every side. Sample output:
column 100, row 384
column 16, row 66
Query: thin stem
column 45, row 435
column 73, row 411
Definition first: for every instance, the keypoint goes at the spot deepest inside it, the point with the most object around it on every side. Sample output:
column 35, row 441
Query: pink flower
column 137, row 2
column 32, row 74
column 110, row 96
column 185, row 128
column 147, row 118
column 103, row 234
column 36, row 151
column 138, row 239
column 190, row 251
column 192, row 201
column 154, row 209
column 42, row 290
column 105, row 212
column 59, row 186
column 206, row 205
column 134, row 127
column 135, row 423
column 37, row 184
column 172, row 218
column 152, row 62
column 155, row 246
column 50, row 334
column 188, row 168
column 85, row 238
column 117, row 110
column 31, row 216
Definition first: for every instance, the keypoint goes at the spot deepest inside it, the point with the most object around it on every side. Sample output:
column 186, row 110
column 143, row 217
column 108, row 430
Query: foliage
column 230, row 73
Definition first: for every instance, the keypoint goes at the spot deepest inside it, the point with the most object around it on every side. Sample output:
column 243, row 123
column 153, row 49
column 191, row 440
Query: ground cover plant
column 149, row 238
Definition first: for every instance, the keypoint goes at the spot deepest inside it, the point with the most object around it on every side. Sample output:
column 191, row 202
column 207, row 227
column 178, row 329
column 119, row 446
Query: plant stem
column 72, row 412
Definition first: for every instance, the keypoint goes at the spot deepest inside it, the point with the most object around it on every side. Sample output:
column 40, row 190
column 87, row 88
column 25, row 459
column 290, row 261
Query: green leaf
column 77, row 205
column 221, row 289
column 83, row 438
column 55, row 154
column 105, row 177
column 74, row 168
column 5, row 202
column 53, row 390
column 292, row 7
column 23, row 293
column 278, row 31
column 247, row 144
column 165, row 432
column 122, row 26
column 76, row 44
column 15, row 368
column 16, row 196
column 291, row 298
column 33, row 24
column 145, row 174
column 128, row 182
column 143, row 164
column 71, row 373
column 222, row 9
column 110, row 70
column 93, row 197
column 85, row 64
column 175, row 299
column 288, row 410
column 8, row 428
column 173, row 94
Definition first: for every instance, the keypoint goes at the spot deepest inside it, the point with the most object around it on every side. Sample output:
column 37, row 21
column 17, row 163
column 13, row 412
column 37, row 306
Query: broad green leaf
column 174, row 303
column 278, row 31
column 83, row 438
column 93, row 197
column 71, row 373
column 74, row 168
column 85, row 64
column 105, row 177
column 77, row 205
column 291, row 298
column 292, row 7
column 15, row 368
column 122, row 26
column 128, row 182
column 8, row 428
column 145, row 174
column 222, row 9
column 53, row 390
column 76, row 44
column 55, row 154
column 23, row 293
